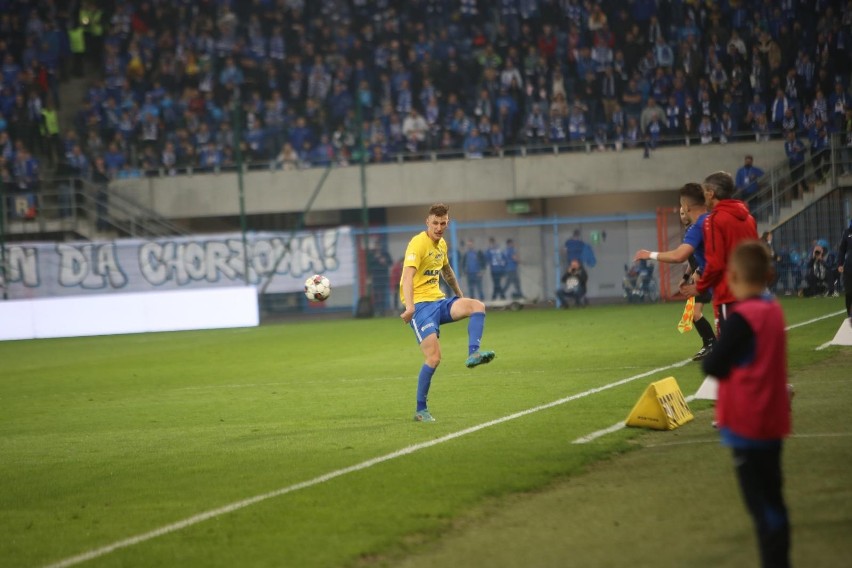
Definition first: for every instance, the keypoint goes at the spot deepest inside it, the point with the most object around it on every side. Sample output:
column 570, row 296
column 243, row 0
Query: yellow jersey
column 428, row 258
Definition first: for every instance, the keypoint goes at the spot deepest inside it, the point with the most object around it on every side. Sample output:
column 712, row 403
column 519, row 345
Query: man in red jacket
column 728, row 224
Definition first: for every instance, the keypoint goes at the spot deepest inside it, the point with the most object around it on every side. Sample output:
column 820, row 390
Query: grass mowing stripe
column 207, row 515
column 619, row 425
column 797, row 436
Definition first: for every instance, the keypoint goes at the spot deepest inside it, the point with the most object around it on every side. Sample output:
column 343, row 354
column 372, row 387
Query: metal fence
column 540, row 245
column 788, row 187
column 433, row 153
column 77, row 208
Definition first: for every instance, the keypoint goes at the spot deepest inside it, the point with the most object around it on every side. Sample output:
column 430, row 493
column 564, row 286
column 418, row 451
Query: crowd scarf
column 685, row 323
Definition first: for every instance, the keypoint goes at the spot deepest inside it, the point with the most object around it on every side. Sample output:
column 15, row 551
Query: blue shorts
column 428, row 317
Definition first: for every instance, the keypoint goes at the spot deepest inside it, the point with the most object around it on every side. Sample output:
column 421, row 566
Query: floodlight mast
column 236, row 118
column 3, row 280
column 365, row 212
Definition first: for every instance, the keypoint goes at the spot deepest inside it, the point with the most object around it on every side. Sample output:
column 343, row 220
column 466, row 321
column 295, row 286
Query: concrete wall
column 572, row 183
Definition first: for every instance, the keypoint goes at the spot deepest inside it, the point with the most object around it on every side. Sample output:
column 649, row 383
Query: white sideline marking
column 213, row 513
column 595, row 435
column 810, row 321
column 619, row 425
column 614, row 428
column 823, row 346
column 195, row 519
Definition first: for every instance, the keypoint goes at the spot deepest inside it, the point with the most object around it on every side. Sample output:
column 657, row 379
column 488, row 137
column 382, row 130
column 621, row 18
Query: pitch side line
column 619, row 425
column 810, row 321
column 207, row 515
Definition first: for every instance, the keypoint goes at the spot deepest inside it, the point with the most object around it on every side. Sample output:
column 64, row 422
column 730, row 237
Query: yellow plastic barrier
column 661, row 407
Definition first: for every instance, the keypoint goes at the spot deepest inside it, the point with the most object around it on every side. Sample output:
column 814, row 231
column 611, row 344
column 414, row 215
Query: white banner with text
column 40, row 270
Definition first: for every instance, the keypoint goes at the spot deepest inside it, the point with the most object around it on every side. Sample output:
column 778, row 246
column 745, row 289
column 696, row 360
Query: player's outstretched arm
column 676, row 256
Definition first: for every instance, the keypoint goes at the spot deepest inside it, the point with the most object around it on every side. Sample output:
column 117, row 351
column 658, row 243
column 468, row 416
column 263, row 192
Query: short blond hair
column 753, row 262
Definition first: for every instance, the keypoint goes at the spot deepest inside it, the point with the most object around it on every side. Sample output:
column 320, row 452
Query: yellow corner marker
column 661, row 407
column 685, row 323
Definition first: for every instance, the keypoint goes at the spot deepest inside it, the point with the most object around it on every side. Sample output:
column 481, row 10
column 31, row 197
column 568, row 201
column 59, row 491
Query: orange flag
column 685, row 323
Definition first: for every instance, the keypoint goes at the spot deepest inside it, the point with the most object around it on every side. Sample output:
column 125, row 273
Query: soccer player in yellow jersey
column 426, row 308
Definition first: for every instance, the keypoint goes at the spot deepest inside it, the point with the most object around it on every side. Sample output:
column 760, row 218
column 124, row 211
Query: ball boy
column 753, row 405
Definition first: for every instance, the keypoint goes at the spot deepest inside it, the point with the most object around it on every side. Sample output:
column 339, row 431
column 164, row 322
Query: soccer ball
column 317, row 288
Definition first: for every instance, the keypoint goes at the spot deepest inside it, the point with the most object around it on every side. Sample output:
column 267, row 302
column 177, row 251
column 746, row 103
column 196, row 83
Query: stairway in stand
column 815, row 192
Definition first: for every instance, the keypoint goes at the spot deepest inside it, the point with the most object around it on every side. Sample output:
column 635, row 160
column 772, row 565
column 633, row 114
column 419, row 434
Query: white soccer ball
column 317, row 288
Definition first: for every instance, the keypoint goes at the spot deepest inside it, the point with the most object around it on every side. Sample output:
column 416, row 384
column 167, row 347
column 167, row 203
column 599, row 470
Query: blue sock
column 423, row 382
column 475, row 328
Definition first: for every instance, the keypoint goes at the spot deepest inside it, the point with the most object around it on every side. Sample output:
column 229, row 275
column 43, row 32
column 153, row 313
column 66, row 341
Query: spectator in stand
column 414, row 128
column 726, row 128
column 512, row 265
column 838, row 102
column 496, row 139
column 474, row 264
column 162, row 60
column 705, row 130
column 168, row 159
column 779, row 106
column 820, row 105
column 496, row 258
column 795, row 151
column 819, row 136
column 556, row 126
column 535, row 126
column 663, row 53
column 747, row 176
column 651, row 113
column 114, row 159
column 761, row 129
column 475, row 144
column 576, row 124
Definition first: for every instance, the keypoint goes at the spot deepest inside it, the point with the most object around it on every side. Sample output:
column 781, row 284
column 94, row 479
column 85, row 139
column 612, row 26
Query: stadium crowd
column 176, row 84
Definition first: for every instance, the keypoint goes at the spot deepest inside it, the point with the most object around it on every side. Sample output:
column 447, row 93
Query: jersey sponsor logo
column 431, row 272
column 412, row 256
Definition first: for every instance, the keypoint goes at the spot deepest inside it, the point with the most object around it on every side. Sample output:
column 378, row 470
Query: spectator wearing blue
column 663, row 53
column 820, row 142
column 747, row 177
column 795, row 150
column 837, row 104
column 556, row 127
column 473, row 264
column 497, row 264
column 114, row 159
column 779, row 106
column 475, row 144
column 574, row 247
column 512, row 263
column 577, row 124
column 231, row 74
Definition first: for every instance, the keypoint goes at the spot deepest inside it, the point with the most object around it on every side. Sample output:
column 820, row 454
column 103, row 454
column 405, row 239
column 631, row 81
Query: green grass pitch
column 104, row 439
